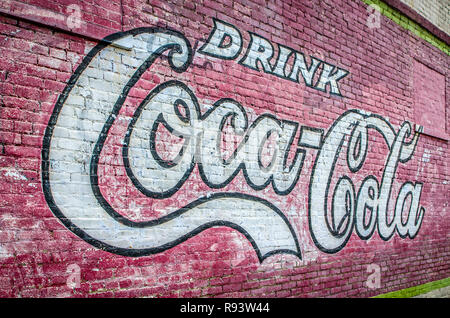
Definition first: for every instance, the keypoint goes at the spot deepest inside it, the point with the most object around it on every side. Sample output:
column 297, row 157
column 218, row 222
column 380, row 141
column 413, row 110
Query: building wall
column 435, row 11
column 220, row 148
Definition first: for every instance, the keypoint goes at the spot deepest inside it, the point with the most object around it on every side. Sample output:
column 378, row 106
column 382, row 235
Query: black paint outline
column 272, row 67
column 308, row 145
column 173, row 49
column 215, row 20
column 336, row 157
column 161, row 162
column 373, row 215
column 406, row 135
column 285, row 62
column 249, row 49
column 420, row 209
column 242, row 165
column 360, row 150
column 152, row 145
column 349, row 214
column 296, row 78
column 45, row 163
column 334, row 68
column 261, row 148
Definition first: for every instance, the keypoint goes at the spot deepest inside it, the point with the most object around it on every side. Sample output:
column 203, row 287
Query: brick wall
column 435, row 11
column 219, row 148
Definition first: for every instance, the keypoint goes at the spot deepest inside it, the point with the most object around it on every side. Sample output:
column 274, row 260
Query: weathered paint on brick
column 221, row 148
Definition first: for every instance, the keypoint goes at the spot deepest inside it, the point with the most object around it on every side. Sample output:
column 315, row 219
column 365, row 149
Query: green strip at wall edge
column 416, row 290
column 408, row 24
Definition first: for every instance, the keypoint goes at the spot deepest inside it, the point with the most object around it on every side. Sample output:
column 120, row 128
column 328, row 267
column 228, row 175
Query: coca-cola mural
column 263, row 152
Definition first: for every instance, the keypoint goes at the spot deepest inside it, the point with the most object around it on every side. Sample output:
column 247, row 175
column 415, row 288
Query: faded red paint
column 36, row 249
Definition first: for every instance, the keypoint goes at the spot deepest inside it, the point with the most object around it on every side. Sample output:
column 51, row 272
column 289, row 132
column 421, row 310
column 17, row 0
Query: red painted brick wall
column 45, row 253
